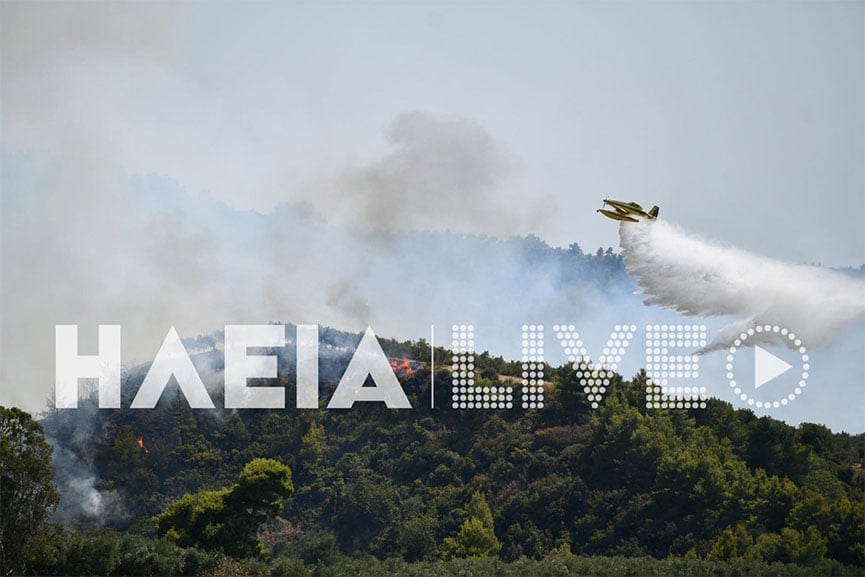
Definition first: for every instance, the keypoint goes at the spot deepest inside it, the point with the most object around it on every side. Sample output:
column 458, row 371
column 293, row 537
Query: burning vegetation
column 404, row 367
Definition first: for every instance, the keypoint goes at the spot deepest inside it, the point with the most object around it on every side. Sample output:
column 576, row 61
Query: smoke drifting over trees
column 90, row 244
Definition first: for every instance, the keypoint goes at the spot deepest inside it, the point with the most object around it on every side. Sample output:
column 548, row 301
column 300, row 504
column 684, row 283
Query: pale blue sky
column 742, row 120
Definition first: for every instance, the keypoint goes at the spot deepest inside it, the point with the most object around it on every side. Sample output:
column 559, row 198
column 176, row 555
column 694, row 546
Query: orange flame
column 401, row 366
column 141, row 444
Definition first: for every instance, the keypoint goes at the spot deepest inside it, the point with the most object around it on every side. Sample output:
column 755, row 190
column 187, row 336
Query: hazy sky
column 121, row 124
column 742, row 120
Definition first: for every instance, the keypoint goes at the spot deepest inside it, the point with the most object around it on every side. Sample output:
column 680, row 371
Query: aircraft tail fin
column 654, row 212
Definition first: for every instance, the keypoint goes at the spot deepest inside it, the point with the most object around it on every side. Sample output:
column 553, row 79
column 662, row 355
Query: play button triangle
column 767, row 366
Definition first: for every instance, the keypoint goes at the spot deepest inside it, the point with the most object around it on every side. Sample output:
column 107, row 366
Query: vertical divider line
column 432, row 367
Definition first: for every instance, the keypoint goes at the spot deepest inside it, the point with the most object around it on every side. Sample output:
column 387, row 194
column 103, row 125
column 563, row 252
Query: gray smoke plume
column 342, row 296
column 83, row 503
column 91, row 244
column 696, row 277
column 441, row 174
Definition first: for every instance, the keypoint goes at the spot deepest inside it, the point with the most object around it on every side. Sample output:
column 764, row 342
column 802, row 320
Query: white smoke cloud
column 696, row 277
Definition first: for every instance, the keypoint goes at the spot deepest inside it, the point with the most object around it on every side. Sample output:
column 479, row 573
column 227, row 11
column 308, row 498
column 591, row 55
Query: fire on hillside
column 403, row 367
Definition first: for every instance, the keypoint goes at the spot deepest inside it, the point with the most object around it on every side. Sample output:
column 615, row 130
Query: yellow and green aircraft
column 627, row 211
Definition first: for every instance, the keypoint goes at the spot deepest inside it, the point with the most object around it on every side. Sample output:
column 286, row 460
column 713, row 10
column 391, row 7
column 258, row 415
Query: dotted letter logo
column 661, row 366
column 533, row 366
column 595, row 379
column 464, row 393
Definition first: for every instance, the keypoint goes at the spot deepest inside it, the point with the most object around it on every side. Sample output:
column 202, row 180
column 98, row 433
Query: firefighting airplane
column 627, row 211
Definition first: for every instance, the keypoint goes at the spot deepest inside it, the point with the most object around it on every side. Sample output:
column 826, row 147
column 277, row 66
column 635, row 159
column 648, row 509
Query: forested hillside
column 430, row 484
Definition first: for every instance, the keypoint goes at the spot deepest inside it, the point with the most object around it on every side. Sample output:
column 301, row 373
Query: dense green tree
column 315, row 547
column 476, row 537
column 312, row 449
column 367, row 504
column 127, row 462
column 416, row 537
column 803, row 547
column 818, row 437
column 733, row 543
column 472, row 540
column 228, row 519
column 92, row 553
column 480, row 509
column 27, row 494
